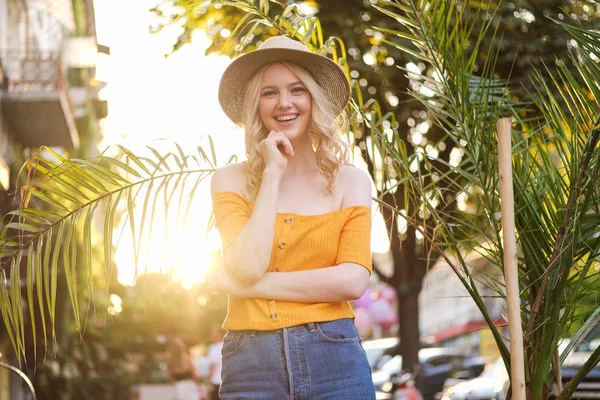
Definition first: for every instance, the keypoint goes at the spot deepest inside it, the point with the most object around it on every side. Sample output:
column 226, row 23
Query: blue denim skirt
column 314, row 361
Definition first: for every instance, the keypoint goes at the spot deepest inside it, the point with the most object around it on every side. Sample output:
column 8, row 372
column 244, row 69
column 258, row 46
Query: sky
column 152, row 97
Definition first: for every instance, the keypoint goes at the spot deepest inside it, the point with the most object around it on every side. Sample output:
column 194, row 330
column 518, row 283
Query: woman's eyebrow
column 275, row 87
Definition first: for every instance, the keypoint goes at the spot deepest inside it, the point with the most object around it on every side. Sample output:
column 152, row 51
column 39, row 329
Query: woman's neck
column 304, row 158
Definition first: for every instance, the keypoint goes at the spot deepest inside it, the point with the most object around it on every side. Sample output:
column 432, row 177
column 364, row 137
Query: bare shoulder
column 355, row 185
column 229, row 178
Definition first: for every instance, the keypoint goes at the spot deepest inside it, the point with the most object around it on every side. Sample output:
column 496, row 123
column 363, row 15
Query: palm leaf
column 547, row 160
column 466, row 107
column 57, row 223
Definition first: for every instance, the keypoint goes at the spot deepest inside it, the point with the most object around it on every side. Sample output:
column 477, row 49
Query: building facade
column 48, row 97
column 448, row 314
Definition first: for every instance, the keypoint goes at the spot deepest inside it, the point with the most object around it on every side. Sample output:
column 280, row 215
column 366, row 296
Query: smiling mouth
column 286, row 118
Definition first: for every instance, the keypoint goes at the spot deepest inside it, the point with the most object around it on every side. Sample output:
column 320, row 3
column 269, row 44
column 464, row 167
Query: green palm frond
column 466, row 107
column 453, row 202
column 376, row 132
column 563, row 166
column 53, row 226
column 555, row 162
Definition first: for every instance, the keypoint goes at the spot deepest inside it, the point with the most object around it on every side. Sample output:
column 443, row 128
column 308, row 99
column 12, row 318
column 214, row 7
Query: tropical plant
column 456, row 199
column 374, row 99
column 373, row 57
column 452, row 203
column 22, row 376
column 68, row 193
column 555, row 171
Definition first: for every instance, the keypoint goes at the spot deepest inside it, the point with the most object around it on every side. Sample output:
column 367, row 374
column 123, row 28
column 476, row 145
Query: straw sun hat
column 327, row 73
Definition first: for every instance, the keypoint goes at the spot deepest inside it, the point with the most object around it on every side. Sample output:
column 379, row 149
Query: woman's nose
column 284, row 101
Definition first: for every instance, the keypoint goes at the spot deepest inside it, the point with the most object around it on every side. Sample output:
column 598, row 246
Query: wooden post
column 511, row 275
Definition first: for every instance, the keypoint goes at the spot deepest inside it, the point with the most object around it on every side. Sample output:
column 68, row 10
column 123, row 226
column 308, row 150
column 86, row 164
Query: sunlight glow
column 116, row 305
column 401, row 221
column 157, row 100
column 525, row 15
column 392, row 99
column 154, row 97
column 414, row 72
column 369, row 58
column 456, row 155
column 426, row 91
column 461, row 201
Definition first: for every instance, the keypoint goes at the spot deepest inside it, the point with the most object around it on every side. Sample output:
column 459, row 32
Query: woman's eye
column 269, row 93
column 298, row 89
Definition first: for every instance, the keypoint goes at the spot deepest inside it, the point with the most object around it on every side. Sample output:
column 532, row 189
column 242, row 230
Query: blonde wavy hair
column 325, row 130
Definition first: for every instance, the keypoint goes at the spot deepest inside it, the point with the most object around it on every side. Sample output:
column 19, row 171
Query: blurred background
column 82, row 76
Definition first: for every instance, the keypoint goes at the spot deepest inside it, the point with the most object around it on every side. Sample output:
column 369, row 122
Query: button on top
column 288, row 220
column 281, row 245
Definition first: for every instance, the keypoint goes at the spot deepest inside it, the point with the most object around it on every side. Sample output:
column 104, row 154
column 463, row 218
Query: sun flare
column 156, row 97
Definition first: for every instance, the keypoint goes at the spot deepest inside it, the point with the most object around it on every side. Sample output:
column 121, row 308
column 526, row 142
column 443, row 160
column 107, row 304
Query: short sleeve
column 231, row 212
column 355, row 238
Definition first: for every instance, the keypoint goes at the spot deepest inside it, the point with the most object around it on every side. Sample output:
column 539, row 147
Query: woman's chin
column 287, row 129
column 294, row 132
column 292, row 135
column 289, row 132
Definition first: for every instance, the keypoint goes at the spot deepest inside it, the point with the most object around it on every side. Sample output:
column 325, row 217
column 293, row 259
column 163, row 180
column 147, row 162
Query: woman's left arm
column 344, row 281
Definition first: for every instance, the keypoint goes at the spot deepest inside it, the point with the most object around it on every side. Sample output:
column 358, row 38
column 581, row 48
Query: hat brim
column 327, row 73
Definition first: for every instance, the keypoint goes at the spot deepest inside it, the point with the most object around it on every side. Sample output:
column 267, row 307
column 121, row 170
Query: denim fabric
column 314, row 361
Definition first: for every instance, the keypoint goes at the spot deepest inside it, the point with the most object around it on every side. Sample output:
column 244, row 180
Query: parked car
column 381, row 350
column 589, row 388
column 492, row 384
column 404, row 389
column 376, row 348
column 435, row 365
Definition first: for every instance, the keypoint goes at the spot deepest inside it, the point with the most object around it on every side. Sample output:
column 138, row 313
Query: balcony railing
column 36, row 101
column 33, row 73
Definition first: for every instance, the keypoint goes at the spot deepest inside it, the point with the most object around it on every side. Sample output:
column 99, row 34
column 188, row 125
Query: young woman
column 295, row 222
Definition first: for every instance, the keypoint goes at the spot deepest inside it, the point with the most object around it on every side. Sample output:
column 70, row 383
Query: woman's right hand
column 275, row 150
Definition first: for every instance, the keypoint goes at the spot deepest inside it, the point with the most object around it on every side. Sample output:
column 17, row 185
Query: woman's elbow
column 358, row 282
column 358, row 290
column 249, row 274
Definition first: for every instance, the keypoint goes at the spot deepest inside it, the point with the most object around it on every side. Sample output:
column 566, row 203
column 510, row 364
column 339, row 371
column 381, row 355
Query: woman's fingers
column 281, row 140
column 285, row 145
column 275, row 150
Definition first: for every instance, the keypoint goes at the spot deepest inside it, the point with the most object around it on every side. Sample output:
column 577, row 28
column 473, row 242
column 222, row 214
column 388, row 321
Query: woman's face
column 285, row 103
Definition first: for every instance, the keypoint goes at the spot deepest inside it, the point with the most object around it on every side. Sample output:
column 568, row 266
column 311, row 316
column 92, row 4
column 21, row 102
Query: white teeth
column 286, row 118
